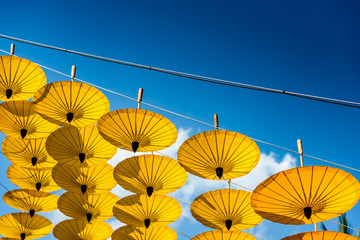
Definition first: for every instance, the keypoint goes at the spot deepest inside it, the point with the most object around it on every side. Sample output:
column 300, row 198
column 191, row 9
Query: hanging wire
column 178, row 199
column 183, row 116
column 180, row 232
column 5, row 187
column 192, row 76
column 232, row 182
column 344, row 225
column 252, row 234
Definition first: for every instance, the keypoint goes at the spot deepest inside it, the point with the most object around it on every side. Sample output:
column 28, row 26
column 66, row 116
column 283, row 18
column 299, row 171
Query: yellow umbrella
column 31, row 179
column 82, row 230
column 223, row 235
column 150, row 173
column 93, row 180
column 153, row 232
column 19, row 119
column 140, row 210
column 225, row 209
column 21, row 225
column 20, row 78
column 28, row 153
column 219, row 154
column 68, row 103
column 96, row 207
column 321, row 235
column 31, row 200
column 305, row 195
column 79, row 146
column 137, row 130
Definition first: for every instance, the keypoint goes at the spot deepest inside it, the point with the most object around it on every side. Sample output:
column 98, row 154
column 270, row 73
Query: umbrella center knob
column 83, row 188
column 147, row 222
column 228, row 224
column 70, row 116
column 219, row 172
column 82, row 157
column 38, row 186
column 149, row 191
column 34, row 161
column 22, row 236
column 88, row 217
column 307, row 212
column 23, row 132
column 8, row 93
column 135, row 146
column 32, row 212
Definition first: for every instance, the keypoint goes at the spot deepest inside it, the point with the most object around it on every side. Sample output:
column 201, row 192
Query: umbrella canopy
column 22, row 226
column 68, row 103
column 93, row 180
column 31, row 200
column 20, row 78
column 82, row 230
column 19, row 119
column 137, row 130
column 141, row 210
column 90, row 207
column 153, row 232
column 225, row 209
column 31, row 179
column 223, row 235
column 150, row 173
column 305, row 195
column 219, row 155
column 28, row 153
column 79, row 146
column 321, row 235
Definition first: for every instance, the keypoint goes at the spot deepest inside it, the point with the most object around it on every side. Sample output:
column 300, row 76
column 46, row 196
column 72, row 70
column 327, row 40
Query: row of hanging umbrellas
column 73, row 157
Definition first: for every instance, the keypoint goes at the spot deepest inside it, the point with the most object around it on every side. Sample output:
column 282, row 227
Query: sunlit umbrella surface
column 223, row 235
column 137, row 130
column 68, row 103
column 79, row 146
column 150, row 173
column 225, row 209
column 305, row 195
column 20, row 78
column 19, row 119
column 141, row 210
column 93, row 180
column 41, row 180
column 321, row 235
column 82, row 230
column 153, row 232
column 28, row 153
column 31, row 200
column 90, row 207
column 22, row 226
column 219, row 155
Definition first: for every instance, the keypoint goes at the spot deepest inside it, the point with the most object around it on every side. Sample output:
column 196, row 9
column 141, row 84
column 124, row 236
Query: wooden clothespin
column 140, row 96
column 73, row 72
column 216, row 121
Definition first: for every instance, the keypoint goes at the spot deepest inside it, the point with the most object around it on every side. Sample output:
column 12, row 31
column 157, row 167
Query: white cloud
column 268, row 165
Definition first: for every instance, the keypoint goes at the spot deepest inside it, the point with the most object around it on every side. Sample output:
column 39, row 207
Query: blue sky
column 309, row 47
